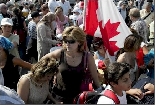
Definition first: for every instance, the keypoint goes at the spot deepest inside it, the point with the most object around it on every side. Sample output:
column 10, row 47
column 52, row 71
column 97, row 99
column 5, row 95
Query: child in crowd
column 118, row 79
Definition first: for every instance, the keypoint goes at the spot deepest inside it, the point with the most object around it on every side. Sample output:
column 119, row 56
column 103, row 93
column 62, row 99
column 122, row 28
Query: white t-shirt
column 52, row 4
column 106, row 100
column 66, row 6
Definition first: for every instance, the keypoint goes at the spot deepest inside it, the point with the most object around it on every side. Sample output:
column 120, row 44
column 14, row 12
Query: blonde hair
column 43, row 67
column 48, row 18
column 134, row 12
column 77, row 34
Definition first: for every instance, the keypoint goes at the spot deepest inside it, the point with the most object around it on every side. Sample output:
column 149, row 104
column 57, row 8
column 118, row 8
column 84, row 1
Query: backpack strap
column 110, row 94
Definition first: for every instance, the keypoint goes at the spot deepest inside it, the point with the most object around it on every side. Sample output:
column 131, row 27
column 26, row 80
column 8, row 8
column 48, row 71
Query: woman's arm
column 23, row 87
column 55, row 54
column 20, row 62
column 52, row 99
column 93, row 70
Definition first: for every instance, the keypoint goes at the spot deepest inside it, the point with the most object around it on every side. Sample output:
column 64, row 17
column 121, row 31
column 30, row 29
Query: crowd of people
column 46, row 57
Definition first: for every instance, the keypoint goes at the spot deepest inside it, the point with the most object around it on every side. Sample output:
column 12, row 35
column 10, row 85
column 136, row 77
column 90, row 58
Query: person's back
column 118, row 78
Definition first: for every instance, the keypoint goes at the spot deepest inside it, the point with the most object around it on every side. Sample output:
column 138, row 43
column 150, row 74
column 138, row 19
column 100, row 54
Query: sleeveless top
column 36, row 94
column 10, row 73
column 69, row 79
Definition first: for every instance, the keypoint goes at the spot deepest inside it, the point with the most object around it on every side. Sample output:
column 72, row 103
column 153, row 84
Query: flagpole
column 84, row 13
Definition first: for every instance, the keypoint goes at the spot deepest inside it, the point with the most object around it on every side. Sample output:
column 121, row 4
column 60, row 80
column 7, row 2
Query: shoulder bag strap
column 146, row 16
column 86, row 62
column 110, row 94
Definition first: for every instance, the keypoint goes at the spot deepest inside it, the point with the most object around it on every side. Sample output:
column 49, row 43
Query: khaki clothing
column 149, row 19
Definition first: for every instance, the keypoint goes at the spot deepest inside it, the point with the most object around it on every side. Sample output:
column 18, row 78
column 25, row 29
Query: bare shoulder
column 121, row 57
column 24, row 79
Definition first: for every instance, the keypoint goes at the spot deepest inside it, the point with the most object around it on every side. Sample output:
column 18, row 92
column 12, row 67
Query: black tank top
column 69, row 80
column 10, row 73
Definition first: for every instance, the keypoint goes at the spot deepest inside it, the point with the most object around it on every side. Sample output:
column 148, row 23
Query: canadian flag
column 102, row 19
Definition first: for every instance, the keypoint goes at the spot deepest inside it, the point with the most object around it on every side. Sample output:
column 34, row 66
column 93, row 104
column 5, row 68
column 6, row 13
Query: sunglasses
column 69, row 41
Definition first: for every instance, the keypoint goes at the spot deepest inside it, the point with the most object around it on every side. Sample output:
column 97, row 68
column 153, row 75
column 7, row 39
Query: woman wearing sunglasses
column 33, row 88
column 71, row 65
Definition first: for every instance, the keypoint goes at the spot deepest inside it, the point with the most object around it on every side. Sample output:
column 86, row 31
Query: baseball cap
column 6, row 21
column 35, row 14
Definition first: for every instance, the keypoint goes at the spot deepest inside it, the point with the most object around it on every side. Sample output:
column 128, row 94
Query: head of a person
column 117, row 75
column 131, row 2
column 148, row 6
column 44, row 69
column 48, row 18
column 124, row 4
column 32, row 7
column 5, row 46
column 132, row 42
column 134, row 13
column 35, row 16
column 16, row 11
column 6, row 25
column 74, row 39
column 76, row 11
column 98, row 45
column 25, row 4
column 44, row 9
column 10, row 6
column 59, row 10
column 3, row 8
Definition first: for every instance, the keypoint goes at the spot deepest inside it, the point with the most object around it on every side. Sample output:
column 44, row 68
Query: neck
column 6, row 34
column 72, row 53
column 117, row 91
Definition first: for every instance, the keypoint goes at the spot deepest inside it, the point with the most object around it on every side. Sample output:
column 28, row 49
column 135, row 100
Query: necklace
column 37, row 84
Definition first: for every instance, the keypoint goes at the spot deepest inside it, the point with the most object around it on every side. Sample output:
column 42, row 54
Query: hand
column 150, row 88
column 58, row 102
column 136, row 93
column 151, row 63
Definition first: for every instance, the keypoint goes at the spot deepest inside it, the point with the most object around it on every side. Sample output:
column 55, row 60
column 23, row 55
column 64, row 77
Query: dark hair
column 31, row 6
column 97, row 42
column 44, row 7
column 116, row 71
column 120, row 51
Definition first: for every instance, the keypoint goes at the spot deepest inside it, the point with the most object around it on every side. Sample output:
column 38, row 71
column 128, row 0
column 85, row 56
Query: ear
column 113, row 84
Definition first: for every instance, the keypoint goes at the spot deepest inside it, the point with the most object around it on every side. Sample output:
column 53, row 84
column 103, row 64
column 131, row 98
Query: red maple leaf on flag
column 109, row 31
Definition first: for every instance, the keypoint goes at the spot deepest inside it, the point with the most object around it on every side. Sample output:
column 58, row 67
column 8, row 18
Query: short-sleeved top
column 106, row 100
column 69, row 80
column 32, row 31
column 99, row 57
column 37, row 95
column 10, row 73
column 14, row 38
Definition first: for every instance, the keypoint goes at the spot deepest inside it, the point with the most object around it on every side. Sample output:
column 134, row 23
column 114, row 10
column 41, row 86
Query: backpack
column 91, row 97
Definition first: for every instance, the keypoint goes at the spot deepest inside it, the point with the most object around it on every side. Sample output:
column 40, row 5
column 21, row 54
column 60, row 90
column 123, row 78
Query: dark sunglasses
column 69, row 41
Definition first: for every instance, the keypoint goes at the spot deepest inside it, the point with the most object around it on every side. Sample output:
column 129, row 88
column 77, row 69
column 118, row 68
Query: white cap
column 6, row 21
column 59, row 36
column 76, row 9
